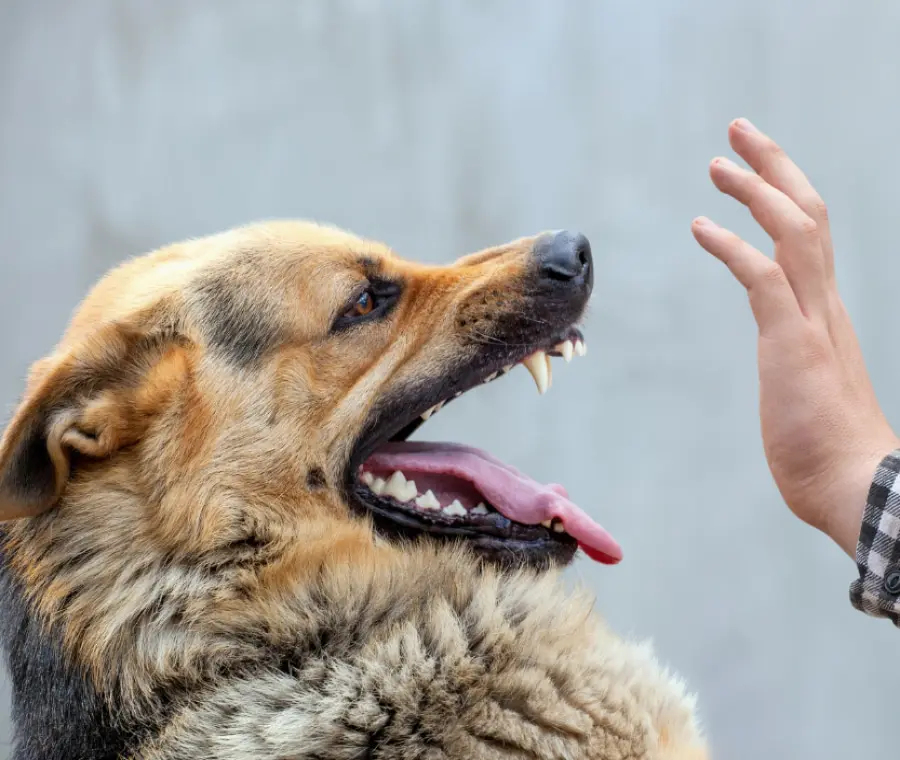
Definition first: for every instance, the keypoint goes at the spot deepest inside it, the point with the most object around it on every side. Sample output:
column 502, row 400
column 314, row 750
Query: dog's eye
column 374, row 301
column 364, row 305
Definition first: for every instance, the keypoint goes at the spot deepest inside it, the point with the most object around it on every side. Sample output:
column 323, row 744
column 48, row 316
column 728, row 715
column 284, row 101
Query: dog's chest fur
column 428, row 658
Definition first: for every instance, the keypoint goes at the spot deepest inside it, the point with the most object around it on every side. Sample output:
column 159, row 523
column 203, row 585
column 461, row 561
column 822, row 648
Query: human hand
column 823, row 430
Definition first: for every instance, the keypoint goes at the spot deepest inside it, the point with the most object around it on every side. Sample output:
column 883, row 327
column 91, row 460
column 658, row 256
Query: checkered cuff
column 877, row 592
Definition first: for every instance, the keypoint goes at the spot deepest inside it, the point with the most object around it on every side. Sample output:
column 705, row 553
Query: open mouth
column 456, row 492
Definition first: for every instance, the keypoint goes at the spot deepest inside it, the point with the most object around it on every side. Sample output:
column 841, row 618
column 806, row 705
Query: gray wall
column 444, row 127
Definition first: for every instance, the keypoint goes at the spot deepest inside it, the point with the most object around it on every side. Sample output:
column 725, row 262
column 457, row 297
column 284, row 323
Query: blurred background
column 442, row 128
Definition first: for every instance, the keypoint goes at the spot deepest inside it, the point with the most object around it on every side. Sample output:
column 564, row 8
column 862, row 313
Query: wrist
column 845, row 502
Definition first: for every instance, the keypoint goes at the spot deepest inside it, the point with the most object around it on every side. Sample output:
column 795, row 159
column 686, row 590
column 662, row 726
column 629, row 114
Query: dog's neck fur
column 73, row 629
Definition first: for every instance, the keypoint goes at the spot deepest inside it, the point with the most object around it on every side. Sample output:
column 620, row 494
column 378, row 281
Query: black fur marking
column 30, row 476
column 57, row 713
column 316, row 479
column 236, row 324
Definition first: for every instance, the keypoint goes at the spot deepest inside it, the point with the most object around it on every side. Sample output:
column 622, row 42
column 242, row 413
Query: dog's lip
column 488, row 370
column 492, row 534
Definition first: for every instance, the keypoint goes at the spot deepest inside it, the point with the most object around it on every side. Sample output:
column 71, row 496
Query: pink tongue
column 511, row 493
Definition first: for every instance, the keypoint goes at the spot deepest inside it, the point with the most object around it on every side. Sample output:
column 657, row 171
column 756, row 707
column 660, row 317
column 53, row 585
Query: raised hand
column 823, row 430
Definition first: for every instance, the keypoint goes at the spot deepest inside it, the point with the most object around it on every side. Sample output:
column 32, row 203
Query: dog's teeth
column 580, row 348
column 490, row 377
column 410, row 492
column 367, row 478
column 399, row 488
column 567, row 350
column 538, row 364
column 457, row 394
column 397, row 479
column 428, row 501
column 436, row 408
column 396, row 486
column 479, row 509
column 377, row 486
column 455, row 509
column 507, row 368
column 547, row 523
column 558, row 527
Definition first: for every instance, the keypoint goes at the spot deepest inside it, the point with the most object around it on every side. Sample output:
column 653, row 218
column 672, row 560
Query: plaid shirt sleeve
column 877, row 591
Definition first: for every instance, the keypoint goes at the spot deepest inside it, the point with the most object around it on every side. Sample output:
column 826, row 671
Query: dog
column 217, row 541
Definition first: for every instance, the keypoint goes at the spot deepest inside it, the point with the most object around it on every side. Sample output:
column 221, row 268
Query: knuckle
column 772, row 275
column 808, row 227
column 818, row 209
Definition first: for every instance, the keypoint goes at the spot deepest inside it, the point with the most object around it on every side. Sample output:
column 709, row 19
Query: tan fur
column 186, row 537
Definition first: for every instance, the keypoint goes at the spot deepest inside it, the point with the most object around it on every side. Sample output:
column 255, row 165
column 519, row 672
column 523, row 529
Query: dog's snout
column 564, row 257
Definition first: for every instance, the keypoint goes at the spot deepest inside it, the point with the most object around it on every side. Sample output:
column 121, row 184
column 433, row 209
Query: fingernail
column 702, row 221
column 724, row 163
column 746, row 126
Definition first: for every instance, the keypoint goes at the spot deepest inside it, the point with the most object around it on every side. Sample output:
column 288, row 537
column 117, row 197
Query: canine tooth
column 457, row 394
column 507, row 368
column 538, row 364
column 558, row 527
column 580, row 348
column 490, row 377
column 436, row 408
column 455, row 509
column 479, row 509
column 567, row 350
column 547, row 523
column 428, row 501
column 378, row 486
column 367, row 478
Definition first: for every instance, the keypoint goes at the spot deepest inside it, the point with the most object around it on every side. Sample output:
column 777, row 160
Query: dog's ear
column 79, row 401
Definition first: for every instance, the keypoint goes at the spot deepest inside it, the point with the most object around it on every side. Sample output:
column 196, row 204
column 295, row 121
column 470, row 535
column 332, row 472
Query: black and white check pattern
column 877, row 592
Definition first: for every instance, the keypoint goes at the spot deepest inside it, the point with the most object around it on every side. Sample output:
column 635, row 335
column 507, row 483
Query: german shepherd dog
column 217, row 541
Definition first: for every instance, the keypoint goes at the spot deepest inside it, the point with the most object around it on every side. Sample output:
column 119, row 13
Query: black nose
column 565, row 257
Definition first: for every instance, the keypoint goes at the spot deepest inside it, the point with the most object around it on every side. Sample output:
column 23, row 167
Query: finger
column 797, row 244
column 768, row 160
column 772, row 300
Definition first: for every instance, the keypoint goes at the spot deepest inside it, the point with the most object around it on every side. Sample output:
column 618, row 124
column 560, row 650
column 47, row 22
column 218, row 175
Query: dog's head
column 261, row 384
